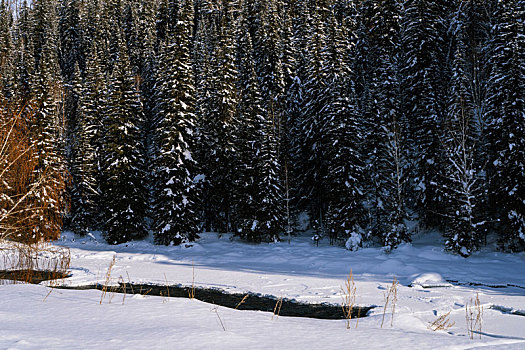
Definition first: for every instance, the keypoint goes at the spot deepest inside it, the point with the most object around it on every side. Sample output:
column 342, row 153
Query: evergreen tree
column 258, row 191
column 392, row 154
column 506, row 106
column 248, row 137
column 344, row 159
column 296, row 162
column 71, row 39
column 7, row 82
column 175, row 218
column 47, row 130
column 218, row 128
column 123, row 181
column 317, row 101
column 461, row 187
column 85, row 194
column 24, row 55
column 425, row 44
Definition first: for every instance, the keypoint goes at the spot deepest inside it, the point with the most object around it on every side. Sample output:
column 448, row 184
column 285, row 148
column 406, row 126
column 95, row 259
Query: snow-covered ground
column 33, row 316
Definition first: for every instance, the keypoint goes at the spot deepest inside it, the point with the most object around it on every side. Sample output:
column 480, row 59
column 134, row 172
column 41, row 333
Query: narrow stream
column 249, row 301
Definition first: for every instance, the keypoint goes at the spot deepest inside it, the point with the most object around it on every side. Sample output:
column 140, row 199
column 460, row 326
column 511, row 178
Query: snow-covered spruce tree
column 268, row 60
column 270, row 214
column 72, row 63
column 218, row 127
column 344, row 160
column 110, row 33
column 257, row 196
column 85, row 193
column 47, row 125
column 312, row 136
column 167, row 12
column 392, row 156
column 506, row 109
column 124, row 198
column 71, row 39
column 201, row 53
column 24, row 55
column 248, row 138
column 461, row 184
column 364, row 74
column 378, row 86
column 174, row 218
column 294, row 108
column 7, row 68
column 88, row 14
column 130, row 24
column 424, row 42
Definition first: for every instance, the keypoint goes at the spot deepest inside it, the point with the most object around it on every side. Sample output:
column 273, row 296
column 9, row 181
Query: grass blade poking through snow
column 216, row 310
column 442, row 323
column 277, row 308
column 108, row 279
column 348, row 293
column 191, row 292
column 241, row 302
column 474, row 316
column 390, row 298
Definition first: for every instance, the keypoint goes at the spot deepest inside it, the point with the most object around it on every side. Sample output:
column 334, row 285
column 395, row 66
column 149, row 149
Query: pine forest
column 368, row 120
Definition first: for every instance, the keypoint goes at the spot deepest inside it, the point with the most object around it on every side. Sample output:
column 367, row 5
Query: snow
column 354, row 241
column 429, row 280
column 300, row 270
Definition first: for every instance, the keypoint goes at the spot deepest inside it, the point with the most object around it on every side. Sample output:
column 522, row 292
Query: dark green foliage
column 239, row 116
column 124, row 178
column 506, row 108
column 218, row 128
column 175, row 217
column 425, row 43
column 85, row 194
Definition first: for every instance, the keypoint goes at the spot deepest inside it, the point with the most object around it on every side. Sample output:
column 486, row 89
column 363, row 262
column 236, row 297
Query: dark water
column 250, row 301
column 31, row 276
column 239, row 301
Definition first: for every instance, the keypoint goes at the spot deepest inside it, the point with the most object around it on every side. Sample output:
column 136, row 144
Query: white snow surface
column 37, row 317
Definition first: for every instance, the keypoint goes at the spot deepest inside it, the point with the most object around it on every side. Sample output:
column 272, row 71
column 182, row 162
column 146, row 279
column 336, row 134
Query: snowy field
column 36, row 317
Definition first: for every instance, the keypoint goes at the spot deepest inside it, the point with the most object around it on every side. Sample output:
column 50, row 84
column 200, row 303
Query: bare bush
column 32, row 197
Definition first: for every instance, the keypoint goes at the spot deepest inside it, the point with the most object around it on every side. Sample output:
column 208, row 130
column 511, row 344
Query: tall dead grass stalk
column 390, row 299
column 107, row 279
column 474, row 316
column 191, row 292
column 348, row 294
column 277, row 308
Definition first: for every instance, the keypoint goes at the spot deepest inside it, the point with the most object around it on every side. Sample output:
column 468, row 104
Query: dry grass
column 165, row 298
column 390, row 299
column 191, row 292
column 107, row 279
column 348, row 293
column 29, row 263
column 124, row 288
column 442, row 323
column 474, row 316
column 241, row 302
column 216, row 310
column 277, row 308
